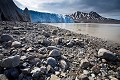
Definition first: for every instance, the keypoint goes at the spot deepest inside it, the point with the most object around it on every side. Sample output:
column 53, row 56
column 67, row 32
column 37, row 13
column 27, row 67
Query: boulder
column 6, row 38
column 106, row 54
column 10, row 62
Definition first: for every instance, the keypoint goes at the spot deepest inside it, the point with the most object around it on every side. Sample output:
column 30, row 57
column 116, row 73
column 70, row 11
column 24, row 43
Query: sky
column 106, row 8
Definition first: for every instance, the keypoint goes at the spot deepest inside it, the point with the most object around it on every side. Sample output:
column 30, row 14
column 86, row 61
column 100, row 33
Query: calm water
column 105, row 31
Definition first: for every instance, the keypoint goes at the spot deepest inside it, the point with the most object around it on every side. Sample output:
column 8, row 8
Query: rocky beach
column 34, row 51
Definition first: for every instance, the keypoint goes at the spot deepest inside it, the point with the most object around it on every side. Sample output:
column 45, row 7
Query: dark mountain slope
column 9, row 12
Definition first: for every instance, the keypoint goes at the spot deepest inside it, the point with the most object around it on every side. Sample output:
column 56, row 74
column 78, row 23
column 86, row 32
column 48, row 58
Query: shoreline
column 47, row 52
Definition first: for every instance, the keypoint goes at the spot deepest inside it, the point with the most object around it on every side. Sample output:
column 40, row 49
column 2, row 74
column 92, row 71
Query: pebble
column 26, row 71
column 42, row 50
column 51, row 61
column 43, row 69
column 55, row 53
column 46, row 34
column 58, row 40
column 70, row 44
column 46, row 42
column 63, row 64
column 16, row 44
column 54, row 32
column 85, row 64
column 86, row 72
column 54, row 77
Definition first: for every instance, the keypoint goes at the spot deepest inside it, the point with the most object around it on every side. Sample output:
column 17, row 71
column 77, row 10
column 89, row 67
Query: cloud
column 107, row 8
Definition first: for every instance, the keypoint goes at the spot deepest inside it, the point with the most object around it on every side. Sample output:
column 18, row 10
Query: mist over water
column 105, row 31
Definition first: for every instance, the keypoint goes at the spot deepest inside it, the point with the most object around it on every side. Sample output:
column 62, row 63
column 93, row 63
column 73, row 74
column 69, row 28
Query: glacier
column 42, row 17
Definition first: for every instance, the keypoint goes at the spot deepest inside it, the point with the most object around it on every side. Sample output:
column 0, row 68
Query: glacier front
column 42, row 17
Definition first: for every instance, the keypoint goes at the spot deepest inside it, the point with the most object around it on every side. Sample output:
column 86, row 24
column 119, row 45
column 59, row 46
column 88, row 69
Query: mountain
column 10, row 12
column 92, row 17
column 43, row 17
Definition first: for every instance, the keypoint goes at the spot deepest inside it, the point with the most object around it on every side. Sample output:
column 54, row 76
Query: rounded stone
column 55, row 53
column 6, row 38
column 51, row 61
column 16, row 44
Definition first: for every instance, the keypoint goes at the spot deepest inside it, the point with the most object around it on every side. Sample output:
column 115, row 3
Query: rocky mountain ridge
column 91, row 17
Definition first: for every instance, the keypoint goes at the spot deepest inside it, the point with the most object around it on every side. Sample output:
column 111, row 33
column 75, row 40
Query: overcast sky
column 106, row 8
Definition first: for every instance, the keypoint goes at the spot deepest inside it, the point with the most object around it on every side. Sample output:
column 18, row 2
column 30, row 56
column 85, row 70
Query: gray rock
column 50, row 69
column 16, row 44
column 106, row 54
column 42, row 50
column 23, row 58
column 58, row 40
column 35, row 72
column 63, row 64
column 46, row 34
column 85, row 64
column 26, row 71
column 70, row 44
column 10, row 62
column 3, row 77
column 55, row 53
column 43, row 69
column 54, row 77
column 86, row 72
column 46, row 42
column 6, row 38
column 12, row 73
column 51, row 61
column 54, row 32
column 96, row 69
